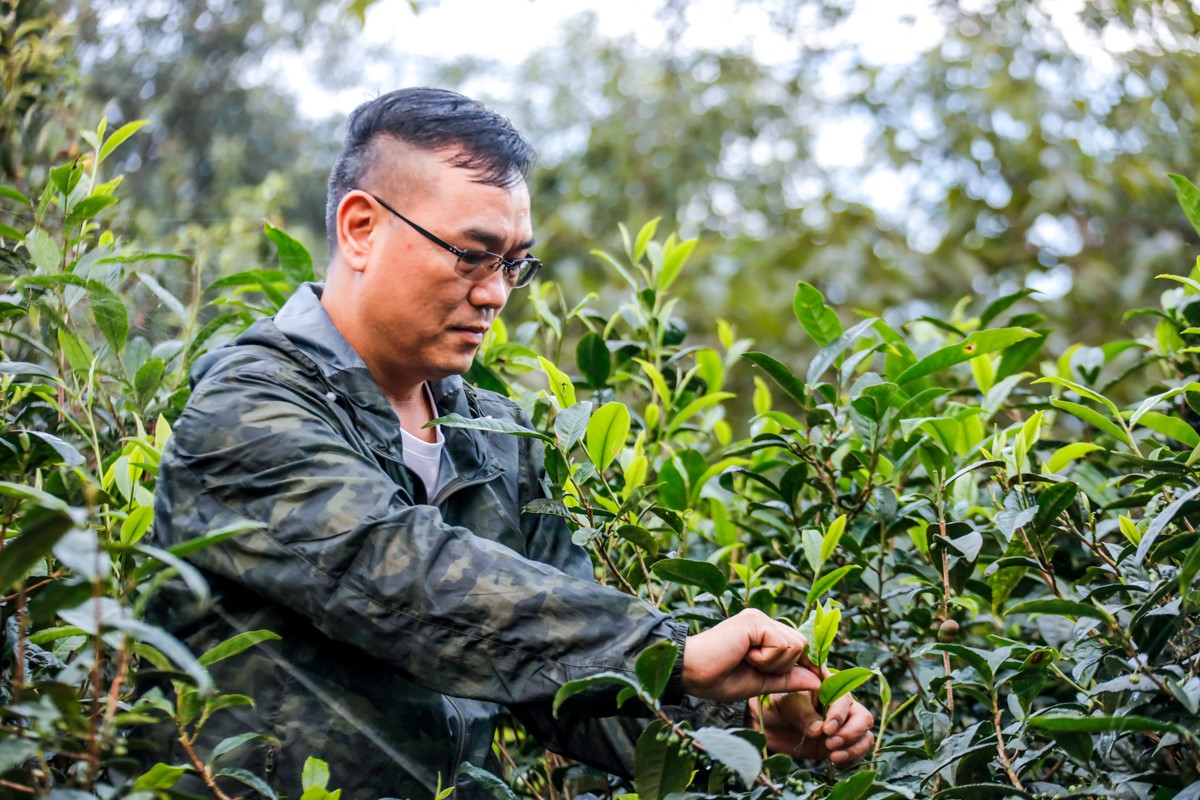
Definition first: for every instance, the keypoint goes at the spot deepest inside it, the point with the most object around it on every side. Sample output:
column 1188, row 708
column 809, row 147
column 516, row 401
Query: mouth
column 473, row 333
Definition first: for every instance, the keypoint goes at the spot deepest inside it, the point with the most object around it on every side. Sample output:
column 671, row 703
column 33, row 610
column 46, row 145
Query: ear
column 356, row 218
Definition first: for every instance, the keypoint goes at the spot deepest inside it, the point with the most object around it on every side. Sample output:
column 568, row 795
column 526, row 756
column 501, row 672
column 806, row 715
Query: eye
column 474, row 259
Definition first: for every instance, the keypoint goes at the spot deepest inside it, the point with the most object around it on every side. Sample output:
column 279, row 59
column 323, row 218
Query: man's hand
column 793, row 726
column 747, row 655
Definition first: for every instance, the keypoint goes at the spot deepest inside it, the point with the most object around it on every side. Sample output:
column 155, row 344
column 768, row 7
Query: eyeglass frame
column 508, row 264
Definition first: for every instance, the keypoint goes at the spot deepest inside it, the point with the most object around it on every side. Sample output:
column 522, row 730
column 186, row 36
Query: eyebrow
column 493, row 242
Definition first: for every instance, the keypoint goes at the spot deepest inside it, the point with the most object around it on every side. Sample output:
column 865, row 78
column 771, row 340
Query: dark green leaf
column 693, row 573
column 1051, row 503
column 572, row 688
column 999, row 306
column 594, row 359
column 232, row 743
column 1161, row 521
column 852, row 787
column 36, row 541
column 834, row 349
column 488, row 425
column 661, row 766
column 970, row 791
column 249, row 779
column 10, row 193
column 70, row 456
column 733, row 751
column 1067, row 608
column 793, row 386
column 654, row 667
column 640, row 537
column 1058, row 721
column 294, row 260
column 24, row 368
column 1093, row 418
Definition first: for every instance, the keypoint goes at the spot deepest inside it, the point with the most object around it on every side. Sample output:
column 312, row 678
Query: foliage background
column 890, row 440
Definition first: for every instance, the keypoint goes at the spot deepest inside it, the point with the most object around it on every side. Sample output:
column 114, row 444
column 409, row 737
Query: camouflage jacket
column 407, row 622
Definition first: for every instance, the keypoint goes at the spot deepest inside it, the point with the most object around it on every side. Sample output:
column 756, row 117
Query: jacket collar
column 306, row 325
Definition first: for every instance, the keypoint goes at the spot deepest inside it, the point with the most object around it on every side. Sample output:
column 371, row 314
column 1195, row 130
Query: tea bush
column 992, row 545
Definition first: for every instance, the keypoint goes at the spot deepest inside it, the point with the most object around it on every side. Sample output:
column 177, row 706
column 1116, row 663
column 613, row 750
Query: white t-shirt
column 422, row 457
column 425, row 459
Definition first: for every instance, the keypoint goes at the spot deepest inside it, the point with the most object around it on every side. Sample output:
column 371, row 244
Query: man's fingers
column 859, row 722
column 797, row 679
column 835, row 716
column 854, row 752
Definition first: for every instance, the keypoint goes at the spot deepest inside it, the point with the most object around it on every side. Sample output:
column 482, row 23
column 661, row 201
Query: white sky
column 889, row 31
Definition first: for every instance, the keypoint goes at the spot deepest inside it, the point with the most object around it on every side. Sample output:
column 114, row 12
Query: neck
column 414, row 412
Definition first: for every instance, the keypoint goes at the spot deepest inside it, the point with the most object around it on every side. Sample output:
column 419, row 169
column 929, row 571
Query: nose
column 491, row 291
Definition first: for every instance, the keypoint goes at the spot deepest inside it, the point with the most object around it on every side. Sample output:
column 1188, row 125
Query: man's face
column 424, row 321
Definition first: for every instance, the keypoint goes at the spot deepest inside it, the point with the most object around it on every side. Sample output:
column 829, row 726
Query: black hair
column 429, row 119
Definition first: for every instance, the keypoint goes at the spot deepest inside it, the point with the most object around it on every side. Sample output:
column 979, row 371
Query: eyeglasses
column 476, row 264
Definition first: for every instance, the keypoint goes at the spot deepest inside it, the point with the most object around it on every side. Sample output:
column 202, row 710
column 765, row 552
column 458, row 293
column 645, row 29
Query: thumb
column 800, row 711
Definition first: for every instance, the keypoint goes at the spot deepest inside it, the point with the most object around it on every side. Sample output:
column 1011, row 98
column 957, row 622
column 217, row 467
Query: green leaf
column 136, row 524
column 700, row 574
column 1093, row 418
column 1058, row 721
column 662, row 766
column 24, row 368
column 118, row 137
column 832, row 351
column 973, row 791
column 999, row 306
column 580, row 685
column 560, row 384
column 232, row 743
column 315, row 773
column 15, row 751
column 733, row 751
column 1171, row 427
column 640, row 537
column 571, row 424
column 1161, row 521
column 148, row 378
column 606, row 434
column 594, row 359
column 852, row 787
column 832, row 536
column 1189, row 199
column 1083, row 391
column 654, row 667
column 41, row 533
column 827, row 582
column 160, row 776
column 977, row 344
column 236, row 644
column 818, row 320
column 781, row 375
column 976, row 658
column 249, row 779
column 674, row 258
column 1066, row 608
column 294, row 259
column 697, row 405
column 10, row 193
column 1053, row 502
column 169, row 300
column 88, row 208
column 110, row 313
column 44, row 251
column 1068, row 453
column 643, row 238
column 841, row 683
column 488, row 425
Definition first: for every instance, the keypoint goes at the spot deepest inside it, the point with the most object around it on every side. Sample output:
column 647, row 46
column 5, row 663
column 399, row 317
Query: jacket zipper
column 458, row 483
column 461, row 742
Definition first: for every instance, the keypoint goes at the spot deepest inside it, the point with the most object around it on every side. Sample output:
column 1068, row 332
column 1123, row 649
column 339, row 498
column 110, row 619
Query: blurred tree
column 1028, row 146
column 36, row 79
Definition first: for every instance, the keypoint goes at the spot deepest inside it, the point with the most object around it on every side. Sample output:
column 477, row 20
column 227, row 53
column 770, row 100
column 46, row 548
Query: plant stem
column 1008, row 767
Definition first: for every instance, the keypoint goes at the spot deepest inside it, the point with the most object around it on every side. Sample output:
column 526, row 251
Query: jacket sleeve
column 341, row 543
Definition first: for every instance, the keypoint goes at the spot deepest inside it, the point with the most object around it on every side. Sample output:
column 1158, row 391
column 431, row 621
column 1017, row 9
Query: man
column 413, row 598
